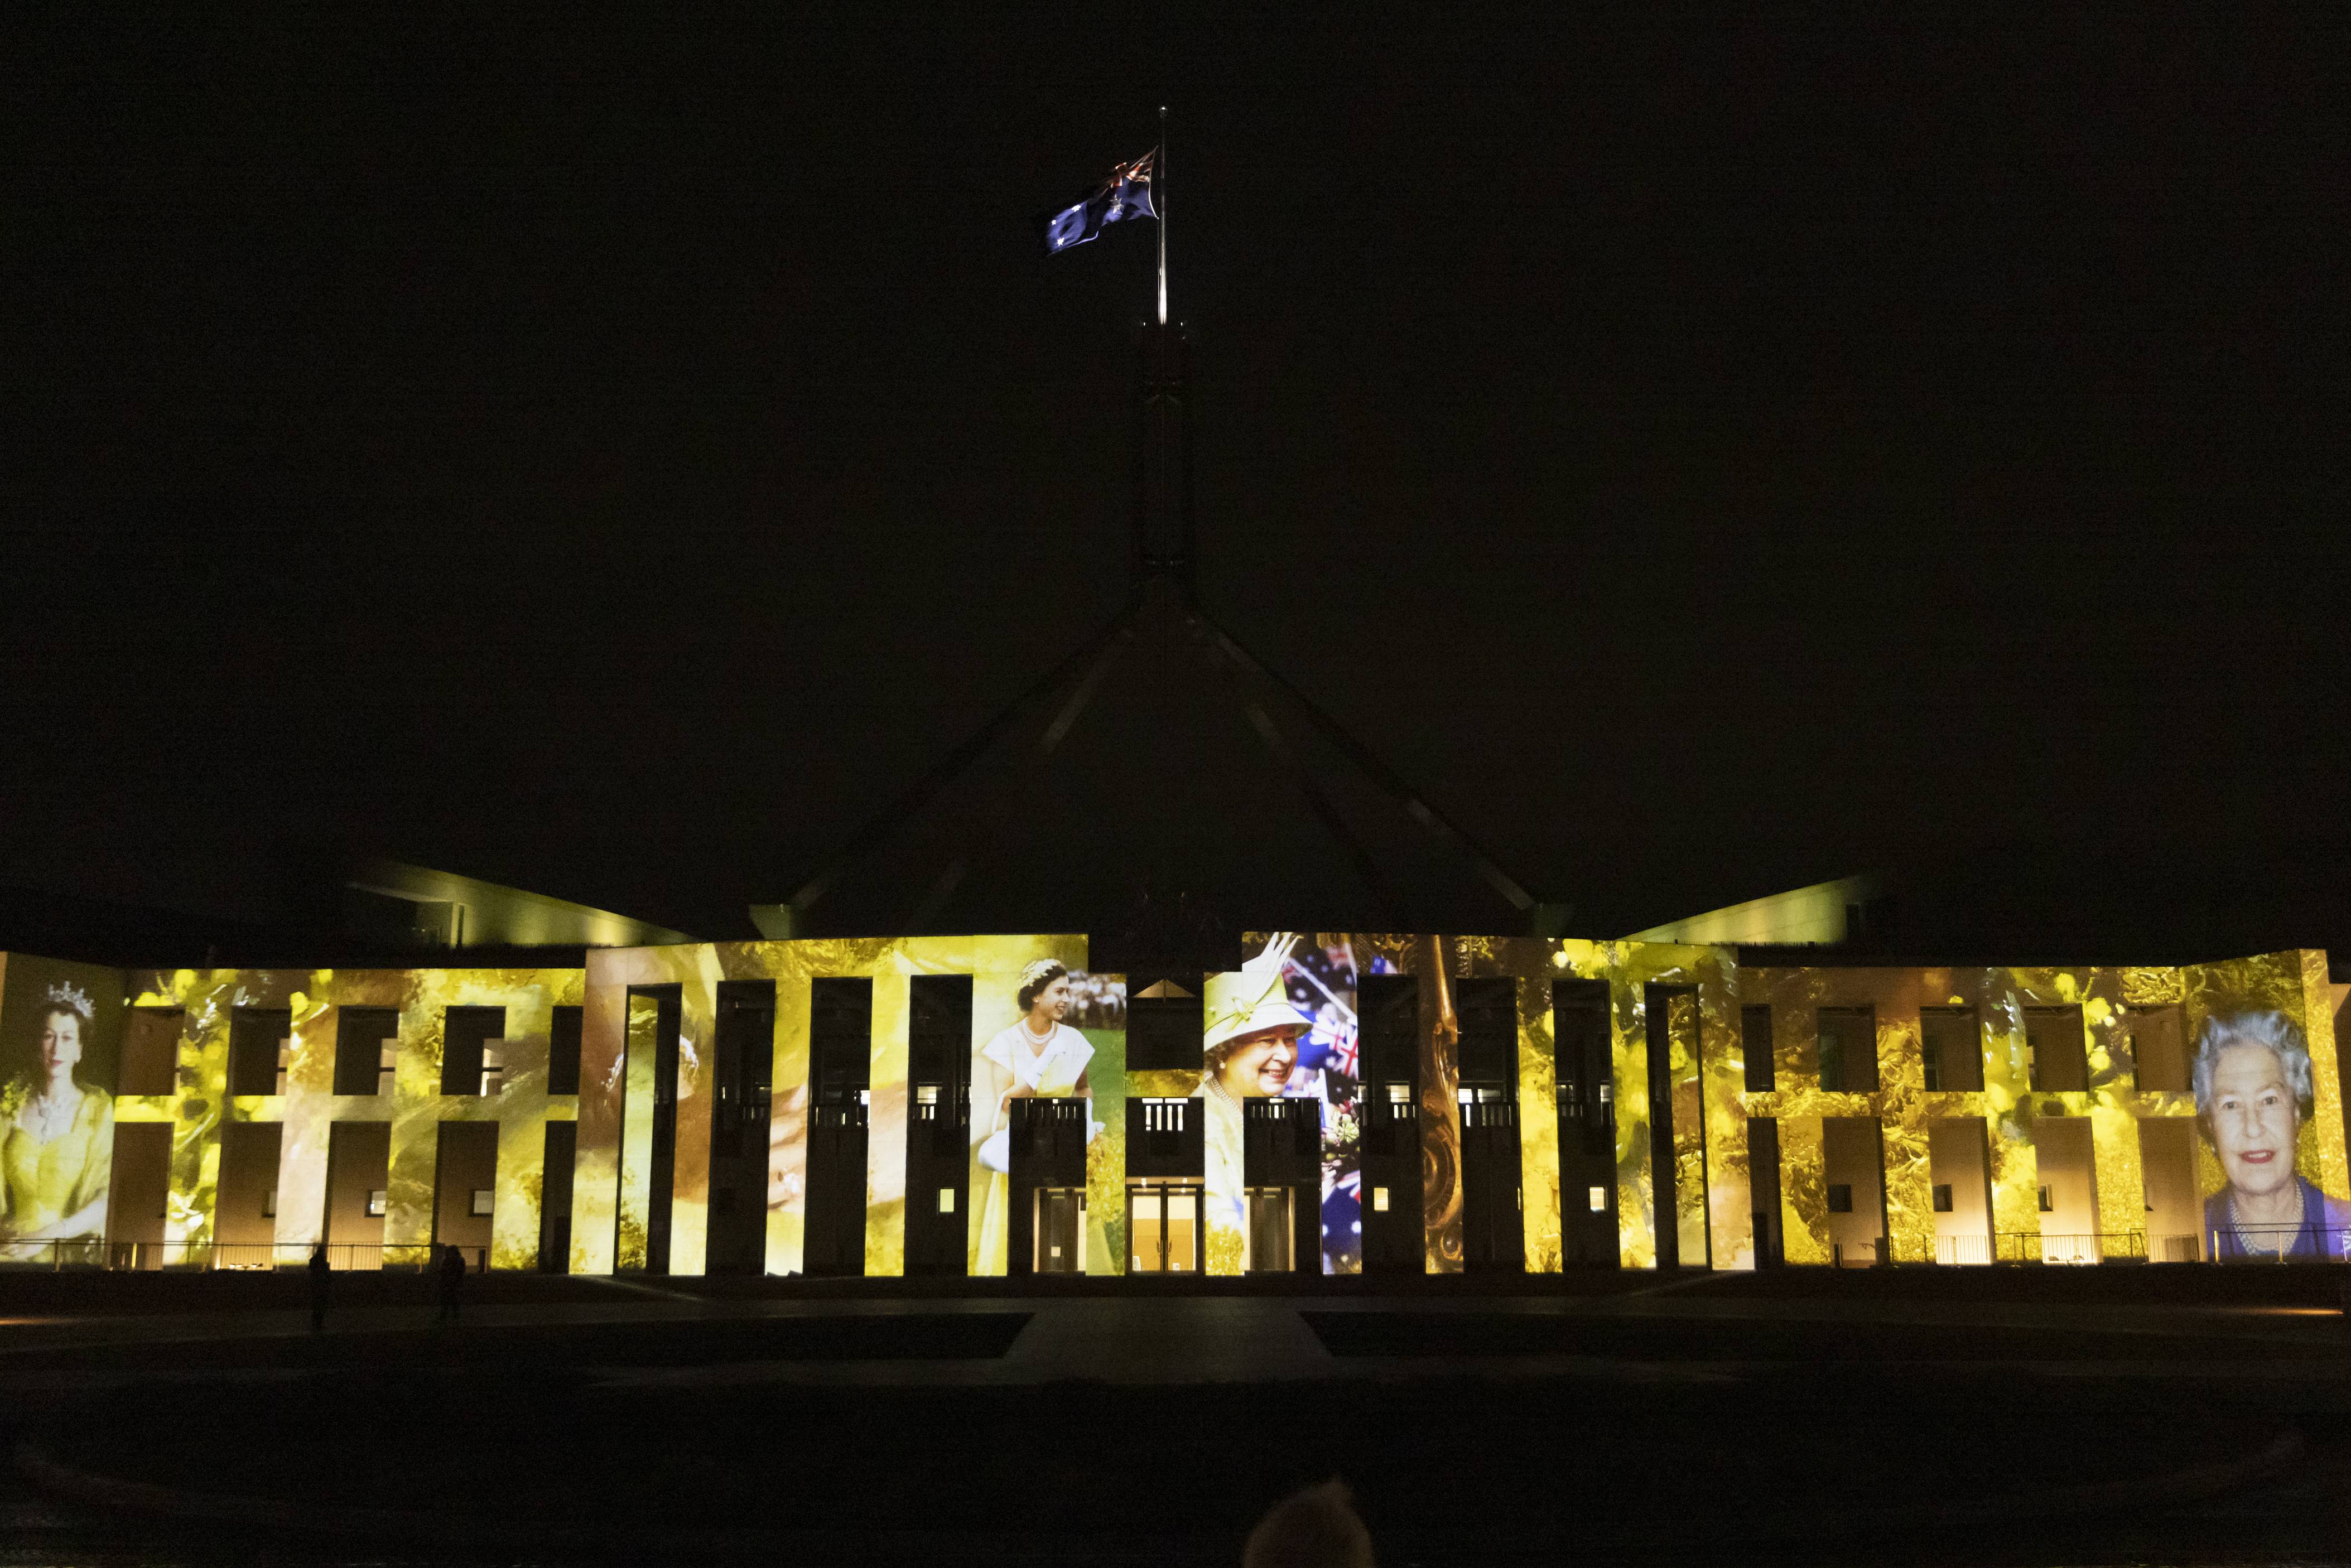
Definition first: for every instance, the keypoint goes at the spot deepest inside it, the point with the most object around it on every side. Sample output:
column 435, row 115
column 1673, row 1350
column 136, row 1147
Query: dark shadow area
column 1807, row 1467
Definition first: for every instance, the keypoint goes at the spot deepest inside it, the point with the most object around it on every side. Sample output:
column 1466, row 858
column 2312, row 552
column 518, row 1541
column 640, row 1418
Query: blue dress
column 2325, row 1231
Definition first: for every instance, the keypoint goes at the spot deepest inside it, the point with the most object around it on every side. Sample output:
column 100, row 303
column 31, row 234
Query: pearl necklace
column 2279, row 1244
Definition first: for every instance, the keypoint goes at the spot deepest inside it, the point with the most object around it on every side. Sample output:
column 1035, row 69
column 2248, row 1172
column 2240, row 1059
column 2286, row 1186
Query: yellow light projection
column 1712, row 1214
column 1082, row 1047
column 2075, row 1153
column 1538, row 1082
column 641, row 1056
column 60, row 1028
column 1709, row 1123
column 2026, row 1126
column 309, row 1109
column 610, row 1092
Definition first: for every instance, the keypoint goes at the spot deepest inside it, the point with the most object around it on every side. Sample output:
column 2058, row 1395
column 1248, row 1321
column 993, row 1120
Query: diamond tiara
column 65, row 994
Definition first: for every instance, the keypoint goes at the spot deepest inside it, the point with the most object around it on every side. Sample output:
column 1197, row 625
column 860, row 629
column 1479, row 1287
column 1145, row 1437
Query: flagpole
column 1159, row 201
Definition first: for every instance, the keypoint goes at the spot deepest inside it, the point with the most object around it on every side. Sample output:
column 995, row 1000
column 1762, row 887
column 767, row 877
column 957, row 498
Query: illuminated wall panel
column 1702, row 1035
column 1709, row 1062
column 203, row 1102
column 1103, row 1020
column 787, row 1134
column 60, row 1033
column 641, row 1055
column 309, row 1107
column 603, row 1100
column 2111, row 1106
column 1803, row 1190
column 1709, row 1126
column 696, row 970
column 1538, row 1121
column 885, row 1142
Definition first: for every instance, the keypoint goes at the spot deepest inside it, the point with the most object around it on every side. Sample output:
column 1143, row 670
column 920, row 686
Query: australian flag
column 1125, row 195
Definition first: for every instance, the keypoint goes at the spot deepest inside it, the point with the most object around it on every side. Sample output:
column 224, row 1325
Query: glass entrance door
column 1269, row 1231
column 1162, row 1229
column 1060, row 1230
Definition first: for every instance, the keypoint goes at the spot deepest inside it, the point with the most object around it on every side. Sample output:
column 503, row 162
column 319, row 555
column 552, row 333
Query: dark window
column 1579, row 1029
column 466, row 1061
column 1953, row 1047
column 2059, row 1054
column 150, row 1051
column 1942, row 1197
column 2159, row 1048
column 360, row 1035
column 1388, row 1007
column 1840, row 1198
column 1165, row 1025
column 938, row 1029
column 257, row 1042
column 563, row 1052
column 2047, row 1205
column 841, row 1039
column 1755, row 1041
column 1488, row 1012
column 1848, row 1048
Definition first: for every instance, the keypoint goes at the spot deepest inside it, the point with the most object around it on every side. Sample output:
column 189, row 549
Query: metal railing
column 2277, row 1244
column 2079, row 1247
column 1963, row 1249
column 58, row 1254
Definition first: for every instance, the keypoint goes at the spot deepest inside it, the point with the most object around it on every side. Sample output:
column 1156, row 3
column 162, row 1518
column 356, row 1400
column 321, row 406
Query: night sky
column 614, row 460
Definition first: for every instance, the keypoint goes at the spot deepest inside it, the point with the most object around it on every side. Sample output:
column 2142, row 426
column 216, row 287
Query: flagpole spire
column 1159, row 201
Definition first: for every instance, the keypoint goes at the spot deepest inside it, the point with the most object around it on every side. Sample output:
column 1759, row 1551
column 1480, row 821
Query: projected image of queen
column 2254, row 1091
column 56, row 1139
column 1250, row 1048
column 1036, row 1055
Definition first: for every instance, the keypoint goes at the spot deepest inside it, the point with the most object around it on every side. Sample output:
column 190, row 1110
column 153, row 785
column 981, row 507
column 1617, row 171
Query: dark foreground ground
column 1986, row 1416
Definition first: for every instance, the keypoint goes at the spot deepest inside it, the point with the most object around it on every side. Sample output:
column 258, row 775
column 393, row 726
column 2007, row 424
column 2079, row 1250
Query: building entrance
column 1060, row 1230
column 1163, row 1235
column 1270, row 1230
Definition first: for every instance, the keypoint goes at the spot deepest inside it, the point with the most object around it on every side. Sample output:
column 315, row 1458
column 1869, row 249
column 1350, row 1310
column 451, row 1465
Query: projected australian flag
column 1125, row 195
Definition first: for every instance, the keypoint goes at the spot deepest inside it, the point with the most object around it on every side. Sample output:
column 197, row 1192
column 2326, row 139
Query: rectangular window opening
column 1848, row 1049
column 1755, row 1041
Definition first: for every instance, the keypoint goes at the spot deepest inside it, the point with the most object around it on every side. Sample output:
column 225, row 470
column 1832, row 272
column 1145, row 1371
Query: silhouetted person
column 320, row 1270
column 1316, row 1528
column 452, row 1282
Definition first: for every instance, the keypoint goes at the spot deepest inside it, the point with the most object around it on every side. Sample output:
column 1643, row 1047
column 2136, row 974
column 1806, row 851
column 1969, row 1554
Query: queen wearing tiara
column 57, row 1140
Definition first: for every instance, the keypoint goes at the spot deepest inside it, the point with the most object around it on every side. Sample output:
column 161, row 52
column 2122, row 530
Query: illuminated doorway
column 1162, row 1229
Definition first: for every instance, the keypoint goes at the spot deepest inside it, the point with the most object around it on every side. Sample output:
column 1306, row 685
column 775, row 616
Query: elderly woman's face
column 1259, row 1064
column 2254, row 1119
column 60, row 1042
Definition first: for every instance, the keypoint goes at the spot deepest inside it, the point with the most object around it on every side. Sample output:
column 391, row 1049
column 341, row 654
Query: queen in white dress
column 1038, row 1057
